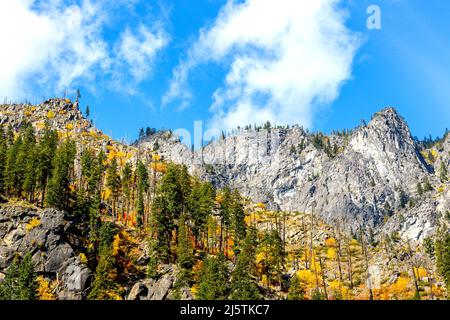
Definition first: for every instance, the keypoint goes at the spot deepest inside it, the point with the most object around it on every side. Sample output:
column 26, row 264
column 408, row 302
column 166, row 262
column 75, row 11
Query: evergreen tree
column 104, row 286
column 142, row 187
column 201, row 205
column 184, row 182
column 185, row 255
column 225, row 215
column 88, row 184
column 243, row 285
column 167, row 207
column 59, row 186
column 213, row 280
column 127, row 174
column 442, row 251
column 296, row 289
column 100, row 168
column 141, row 134
column 20, row 282
column 238, row 219
column 271, row 247
column 29, row 162
column 45, row 153
column 113, row 183
column 13, row 176
column 87, row 113
column 152, row 266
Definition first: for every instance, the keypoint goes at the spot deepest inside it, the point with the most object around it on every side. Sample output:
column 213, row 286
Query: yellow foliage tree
column 34, row 223
column 50, row 114
column 45, row 290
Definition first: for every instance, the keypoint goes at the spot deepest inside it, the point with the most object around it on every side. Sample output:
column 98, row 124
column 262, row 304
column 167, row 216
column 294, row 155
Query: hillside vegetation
column 135, row 225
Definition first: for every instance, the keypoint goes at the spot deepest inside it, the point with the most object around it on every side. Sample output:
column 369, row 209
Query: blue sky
column 166, row 64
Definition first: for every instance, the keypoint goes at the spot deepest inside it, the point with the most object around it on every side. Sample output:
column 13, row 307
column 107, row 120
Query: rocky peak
column 389, row 130
column 375, row 170
column 58, row 113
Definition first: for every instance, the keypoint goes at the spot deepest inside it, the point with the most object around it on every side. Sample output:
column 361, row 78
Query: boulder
column 46, row 241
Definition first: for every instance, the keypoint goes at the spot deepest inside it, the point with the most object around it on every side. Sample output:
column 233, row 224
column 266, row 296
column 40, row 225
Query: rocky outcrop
column 42, row 233
column 367, row 179
column 159, row 289
column 56, row 112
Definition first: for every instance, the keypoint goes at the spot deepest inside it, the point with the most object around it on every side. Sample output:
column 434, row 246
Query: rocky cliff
column 48, row 236
column 367, row 177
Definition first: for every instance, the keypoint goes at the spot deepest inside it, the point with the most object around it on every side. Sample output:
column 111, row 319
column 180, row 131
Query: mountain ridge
column 379, row 163
column 374, row 190
column 359, row 177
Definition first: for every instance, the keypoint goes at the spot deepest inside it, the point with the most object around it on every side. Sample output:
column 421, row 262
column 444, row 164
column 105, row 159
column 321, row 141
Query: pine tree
column 201, row 205
column 238, row 219
column 271, row 247
column 152, row 266
column 100, row 168
column 243, row 285
column 45, row 153
column 87, row 113
column 142, row 187
column 225, row 216
column 167, row 207
column 442, row 251
column 20, row 282
column 13, row 175
column 29, row 161
column 89, row 190
column 213, row 280
column 296, row 289
column 113, row 183
column 59, row 186
column 185, row 254
column 104, row 286
column 184, row 181
column 141, row 134
column 126, row 177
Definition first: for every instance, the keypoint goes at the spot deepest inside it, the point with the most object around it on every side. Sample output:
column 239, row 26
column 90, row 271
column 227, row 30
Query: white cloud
column 56, row 46
column 286, row 58
column 139, row 50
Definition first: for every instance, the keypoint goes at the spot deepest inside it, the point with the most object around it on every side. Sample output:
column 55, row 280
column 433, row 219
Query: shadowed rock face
column 43, row 235
column 371, row 175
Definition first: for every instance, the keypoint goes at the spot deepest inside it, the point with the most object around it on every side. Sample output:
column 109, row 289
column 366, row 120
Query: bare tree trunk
column 311, row 247
column 413, row 268
column 338, row 241
column 323, row 278
column 350, row 268
column 369, row 282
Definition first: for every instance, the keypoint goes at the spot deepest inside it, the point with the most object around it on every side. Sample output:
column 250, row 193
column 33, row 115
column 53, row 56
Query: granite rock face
column 162, row 288
column 364, row 178
column 42, row 233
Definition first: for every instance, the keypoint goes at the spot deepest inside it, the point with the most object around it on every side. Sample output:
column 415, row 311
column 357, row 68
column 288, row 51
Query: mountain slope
column 340, row 208
column 361, row 178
